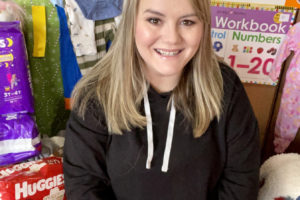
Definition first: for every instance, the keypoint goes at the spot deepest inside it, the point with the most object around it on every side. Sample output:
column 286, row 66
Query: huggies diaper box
column 35, row 180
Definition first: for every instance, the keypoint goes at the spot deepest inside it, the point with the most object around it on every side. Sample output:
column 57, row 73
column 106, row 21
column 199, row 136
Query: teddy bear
column 280, row 177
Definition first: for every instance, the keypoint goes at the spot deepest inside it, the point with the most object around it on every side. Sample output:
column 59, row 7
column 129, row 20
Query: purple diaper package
column 19, row 138
column 15, row 90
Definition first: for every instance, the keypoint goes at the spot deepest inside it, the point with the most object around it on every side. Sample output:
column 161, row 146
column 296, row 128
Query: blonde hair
column 116, row 83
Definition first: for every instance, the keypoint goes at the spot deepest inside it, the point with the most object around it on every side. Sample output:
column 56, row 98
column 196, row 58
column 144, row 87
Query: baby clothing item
column 288, row 119
column 82, row 30
column 104, row 34
column 100, row 9
column 119, row 17
column 60, row 3
column 69, row 66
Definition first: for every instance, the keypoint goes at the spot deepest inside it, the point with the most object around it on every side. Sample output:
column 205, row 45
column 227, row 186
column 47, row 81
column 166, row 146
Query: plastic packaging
column 19, row 138
column 37, row 180
column 15, row 91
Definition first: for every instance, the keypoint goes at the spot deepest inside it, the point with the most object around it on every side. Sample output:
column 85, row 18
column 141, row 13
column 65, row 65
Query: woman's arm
column 241, row 173
column 84, row 158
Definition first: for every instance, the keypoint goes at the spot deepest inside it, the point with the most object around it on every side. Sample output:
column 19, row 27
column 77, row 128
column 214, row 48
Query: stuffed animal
column 280, row 177
column 11, row 11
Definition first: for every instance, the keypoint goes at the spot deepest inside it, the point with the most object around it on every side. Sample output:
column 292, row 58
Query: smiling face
column 167, row 36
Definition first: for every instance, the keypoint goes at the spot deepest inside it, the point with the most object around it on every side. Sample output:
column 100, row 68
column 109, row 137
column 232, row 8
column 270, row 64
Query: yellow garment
column 39, row 31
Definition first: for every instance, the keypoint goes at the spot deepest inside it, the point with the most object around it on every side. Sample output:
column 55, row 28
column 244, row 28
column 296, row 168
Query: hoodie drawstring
column 149, row 132
column 150, row 135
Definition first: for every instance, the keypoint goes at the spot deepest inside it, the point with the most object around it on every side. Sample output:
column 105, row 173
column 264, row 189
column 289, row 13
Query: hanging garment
column 51, row 117
column 69, row 67
column 104, row 35
column 288, row 119
column 60, row 3
column 81, row 30
column 119, row 17
column 100, row 9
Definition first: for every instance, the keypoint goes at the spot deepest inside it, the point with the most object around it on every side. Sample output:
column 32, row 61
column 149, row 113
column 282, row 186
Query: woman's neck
column 163, row 84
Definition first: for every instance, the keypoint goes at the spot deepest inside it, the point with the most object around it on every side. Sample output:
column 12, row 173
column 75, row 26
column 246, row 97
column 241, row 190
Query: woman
column 159, row 117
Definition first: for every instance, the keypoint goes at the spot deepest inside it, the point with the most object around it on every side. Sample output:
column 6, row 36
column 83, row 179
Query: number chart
column 248, row 38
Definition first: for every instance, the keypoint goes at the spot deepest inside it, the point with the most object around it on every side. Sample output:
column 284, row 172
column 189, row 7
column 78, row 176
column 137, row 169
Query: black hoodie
column 221, row 164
